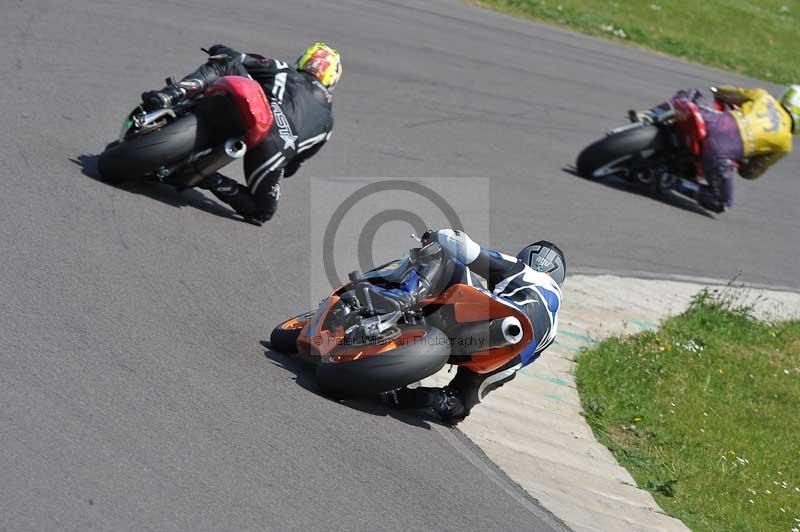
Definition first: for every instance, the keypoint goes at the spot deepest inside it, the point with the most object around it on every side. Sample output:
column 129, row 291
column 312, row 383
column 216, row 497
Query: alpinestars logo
column 284, row 129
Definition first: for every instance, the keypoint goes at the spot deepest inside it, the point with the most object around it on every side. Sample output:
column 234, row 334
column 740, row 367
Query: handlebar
column 372, row 294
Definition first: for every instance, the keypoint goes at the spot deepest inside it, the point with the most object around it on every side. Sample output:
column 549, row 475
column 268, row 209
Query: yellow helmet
column 322, row 62
column 791, row 101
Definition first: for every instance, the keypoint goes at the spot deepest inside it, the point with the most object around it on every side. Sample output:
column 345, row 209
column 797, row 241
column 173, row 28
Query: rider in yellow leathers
column 751, row 135
column 765, row 125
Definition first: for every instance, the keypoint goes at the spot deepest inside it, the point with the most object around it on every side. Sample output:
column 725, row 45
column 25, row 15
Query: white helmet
column 791, row 101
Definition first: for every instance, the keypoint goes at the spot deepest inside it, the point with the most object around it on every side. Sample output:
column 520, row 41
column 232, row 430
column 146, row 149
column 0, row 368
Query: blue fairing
column 529, row 355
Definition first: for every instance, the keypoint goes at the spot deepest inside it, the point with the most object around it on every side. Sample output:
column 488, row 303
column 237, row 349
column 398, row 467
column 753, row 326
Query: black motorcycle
column 184, row 143
column 661, row 153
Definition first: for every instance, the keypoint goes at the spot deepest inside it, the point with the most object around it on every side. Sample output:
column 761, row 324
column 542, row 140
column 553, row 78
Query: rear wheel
column 613, row 154
column 141, row 156
column 415, row 353
column 284, row 337
column 211, row 121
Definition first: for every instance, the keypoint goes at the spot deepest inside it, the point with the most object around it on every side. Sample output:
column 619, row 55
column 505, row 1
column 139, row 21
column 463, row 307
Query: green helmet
column 791, row 101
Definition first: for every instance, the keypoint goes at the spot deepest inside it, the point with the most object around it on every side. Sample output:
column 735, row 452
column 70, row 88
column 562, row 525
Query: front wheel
column 141, row 156
column 415, row 353
column 613, row 154
column 284, row 337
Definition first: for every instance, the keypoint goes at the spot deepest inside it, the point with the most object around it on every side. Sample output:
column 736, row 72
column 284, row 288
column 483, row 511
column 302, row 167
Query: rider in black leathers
column 300, row 97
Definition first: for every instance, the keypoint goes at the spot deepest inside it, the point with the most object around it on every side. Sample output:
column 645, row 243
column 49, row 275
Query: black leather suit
column 302, row 109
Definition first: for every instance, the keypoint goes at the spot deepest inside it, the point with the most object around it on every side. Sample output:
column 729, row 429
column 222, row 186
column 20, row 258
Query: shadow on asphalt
column 304, row 377
column 672, row 198
column 163, row 193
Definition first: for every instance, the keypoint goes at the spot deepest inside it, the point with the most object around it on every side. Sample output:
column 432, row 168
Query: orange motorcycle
column 364, row 343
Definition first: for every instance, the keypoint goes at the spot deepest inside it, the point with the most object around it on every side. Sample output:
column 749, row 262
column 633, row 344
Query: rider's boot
column 451, row 407
column 239, row 197
column 166, row 97
column 171, row 94
column 716, row 195
column 709, row 196
column 444, row 401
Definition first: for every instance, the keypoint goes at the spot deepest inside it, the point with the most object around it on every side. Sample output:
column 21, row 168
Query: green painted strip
column 555, row 397
column 646, row 325
column 581, row 337
column 570, row 347
column 550, row 378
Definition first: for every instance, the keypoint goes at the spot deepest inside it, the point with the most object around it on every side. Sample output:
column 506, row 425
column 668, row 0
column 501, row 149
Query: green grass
column 705, row 414
column 758, row 39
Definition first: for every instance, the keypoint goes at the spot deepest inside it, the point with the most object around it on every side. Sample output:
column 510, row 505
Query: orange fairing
column 294, row 323
column 314, row 340
column 471, row 304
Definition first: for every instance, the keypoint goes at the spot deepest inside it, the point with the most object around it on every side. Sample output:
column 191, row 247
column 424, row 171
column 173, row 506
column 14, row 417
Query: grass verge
column 757, row 39
column 704, row 414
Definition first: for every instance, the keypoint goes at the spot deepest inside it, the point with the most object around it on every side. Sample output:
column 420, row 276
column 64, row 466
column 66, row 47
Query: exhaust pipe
column 202, row 164
column 480, row 336
column 235, row 148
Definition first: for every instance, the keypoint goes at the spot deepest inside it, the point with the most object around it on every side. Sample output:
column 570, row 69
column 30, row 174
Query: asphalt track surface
column 134, row 391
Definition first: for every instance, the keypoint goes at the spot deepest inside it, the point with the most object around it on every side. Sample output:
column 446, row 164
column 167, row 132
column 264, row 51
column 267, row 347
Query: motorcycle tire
column 608, row 155
column 284, row 337
column 141, row 156
column 370, row 375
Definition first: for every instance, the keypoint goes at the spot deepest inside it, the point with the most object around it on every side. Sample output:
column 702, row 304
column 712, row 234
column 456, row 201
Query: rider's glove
column 428, row 237
column 219, row 50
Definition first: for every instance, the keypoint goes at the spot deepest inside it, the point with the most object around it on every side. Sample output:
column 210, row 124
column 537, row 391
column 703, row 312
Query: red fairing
column 252, row 105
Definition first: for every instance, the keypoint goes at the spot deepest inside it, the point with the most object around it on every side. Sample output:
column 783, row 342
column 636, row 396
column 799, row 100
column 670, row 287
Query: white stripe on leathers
column 258, row 181
column 264, row 166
